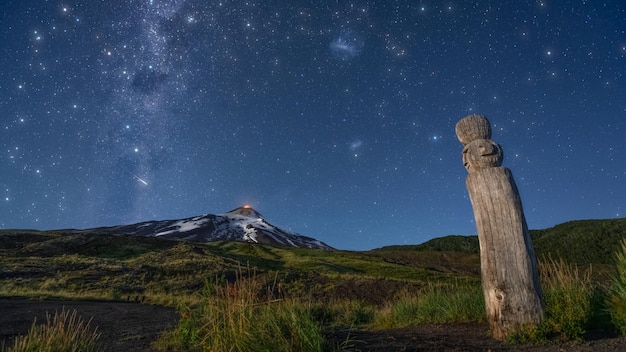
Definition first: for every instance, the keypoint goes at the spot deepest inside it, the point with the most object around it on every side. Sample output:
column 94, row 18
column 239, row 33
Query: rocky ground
column 133, row 327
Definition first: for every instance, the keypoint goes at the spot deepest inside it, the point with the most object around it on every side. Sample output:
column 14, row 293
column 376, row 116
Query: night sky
column 333, row 119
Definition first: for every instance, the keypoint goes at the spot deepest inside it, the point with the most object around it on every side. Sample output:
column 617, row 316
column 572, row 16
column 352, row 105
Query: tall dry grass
column 245, row 315
column 617, row 295
column 63, row 332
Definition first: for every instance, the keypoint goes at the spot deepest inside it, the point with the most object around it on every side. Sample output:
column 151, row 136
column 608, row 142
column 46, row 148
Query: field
column 151, row 293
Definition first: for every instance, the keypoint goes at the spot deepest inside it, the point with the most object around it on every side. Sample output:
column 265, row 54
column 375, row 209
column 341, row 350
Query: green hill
column 581, row 242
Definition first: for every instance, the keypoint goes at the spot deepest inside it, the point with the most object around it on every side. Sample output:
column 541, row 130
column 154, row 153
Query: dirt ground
column 122, row 326
column 457, row 338
column 133, row 327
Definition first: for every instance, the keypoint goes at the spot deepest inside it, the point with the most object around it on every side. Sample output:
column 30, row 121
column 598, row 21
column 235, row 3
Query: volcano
column 243, row 224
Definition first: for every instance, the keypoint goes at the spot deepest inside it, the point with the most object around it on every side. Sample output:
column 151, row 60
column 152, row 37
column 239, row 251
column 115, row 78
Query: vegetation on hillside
column 122, row 267
column 581, row 242
column 296, row 295
column 453, row 243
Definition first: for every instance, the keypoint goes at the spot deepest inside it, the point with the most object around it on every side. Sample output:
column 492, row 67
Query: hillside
column 104, row 274
column 581, row 242
column 96, row 265
column 116, row 266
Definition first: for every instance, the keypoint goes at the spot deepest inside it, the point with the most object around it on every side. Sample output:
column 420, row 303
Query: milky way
column 334, row 120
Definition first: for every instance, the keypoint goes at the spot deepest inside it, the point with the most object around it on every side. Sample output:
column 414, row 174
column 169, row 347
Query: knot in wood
column 473, row 127
column 499, row 294
column 481, row 154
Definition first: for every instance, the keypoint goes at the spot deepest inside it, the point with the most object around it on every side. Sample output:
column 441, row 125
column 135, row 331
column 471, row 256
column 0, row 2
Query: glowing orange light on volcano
column 246, row 206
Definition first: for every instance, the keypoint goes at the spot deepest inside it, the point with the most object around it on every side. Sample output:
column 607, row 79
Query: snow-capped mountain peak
column 243, row 224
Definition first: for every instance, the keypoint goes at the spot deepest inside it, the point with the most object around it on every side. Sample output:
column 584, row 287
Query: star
column 304, row 108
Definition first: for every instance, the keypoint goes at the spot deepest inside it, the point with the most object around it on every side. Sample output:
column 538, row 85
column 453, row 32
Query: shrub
column 64, row 332
column 617, row 298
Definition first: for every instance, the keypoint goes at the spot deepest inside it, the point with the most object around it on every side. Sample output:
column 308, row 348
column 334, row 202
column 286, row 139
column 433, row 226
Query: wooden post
column 510, row 281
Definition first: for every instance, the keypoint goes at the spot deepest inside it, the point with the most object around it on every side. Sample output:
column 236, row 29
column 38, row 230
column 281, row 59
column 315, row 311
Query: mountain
column 243, row 224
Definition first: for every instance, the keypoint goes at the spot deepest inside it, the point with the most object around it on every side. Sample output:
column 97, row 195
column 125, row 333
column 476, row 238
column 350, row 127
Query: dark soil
column 122, row 326
column 456, row 338
column 134, row 326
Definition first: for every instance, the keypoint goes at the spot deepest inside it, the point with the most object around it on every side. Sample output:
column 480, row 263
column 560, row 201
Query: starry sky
column 333, row 119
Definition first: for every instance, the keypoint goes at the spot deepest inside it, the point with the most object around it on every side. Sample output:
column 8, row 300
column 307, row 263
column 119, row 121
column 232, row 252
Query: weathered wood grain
column 508, row 265
column 510, row 281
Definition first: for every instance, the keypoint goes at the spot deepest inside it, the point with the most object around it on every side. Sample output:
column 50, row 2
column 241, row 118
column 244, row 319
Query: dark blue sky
column 334, row 119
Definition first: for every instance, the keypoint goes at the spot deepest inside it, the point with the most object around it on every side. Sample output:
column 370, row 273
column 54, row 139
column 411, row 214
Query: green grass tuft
column 245, row 315
column 435, row 304
column 569, row 295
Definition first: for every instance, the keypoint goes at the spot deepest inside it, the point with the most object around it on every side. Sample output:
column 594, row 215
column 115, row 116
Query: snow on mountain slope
column 243, row 224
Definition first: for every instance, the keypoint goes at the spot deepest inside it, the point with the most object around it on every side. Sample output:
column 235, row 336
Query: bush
column 617, row 298
column 64, row 332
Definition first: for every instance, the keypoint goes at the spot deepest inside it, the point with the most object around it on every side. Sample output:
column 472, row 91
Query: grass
column 434, row 304
column 106, row 267
column 569, row 296
column 245, row 315
column 250, row 314
column 617, row 297
column 379, row 289
column 63, row 332
column 570, row 306
column 340, row 313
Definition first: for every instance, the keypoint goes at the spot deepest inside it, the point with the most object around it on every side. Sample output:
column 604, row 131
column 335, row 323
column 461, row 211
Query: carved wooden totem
column 510, row 281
